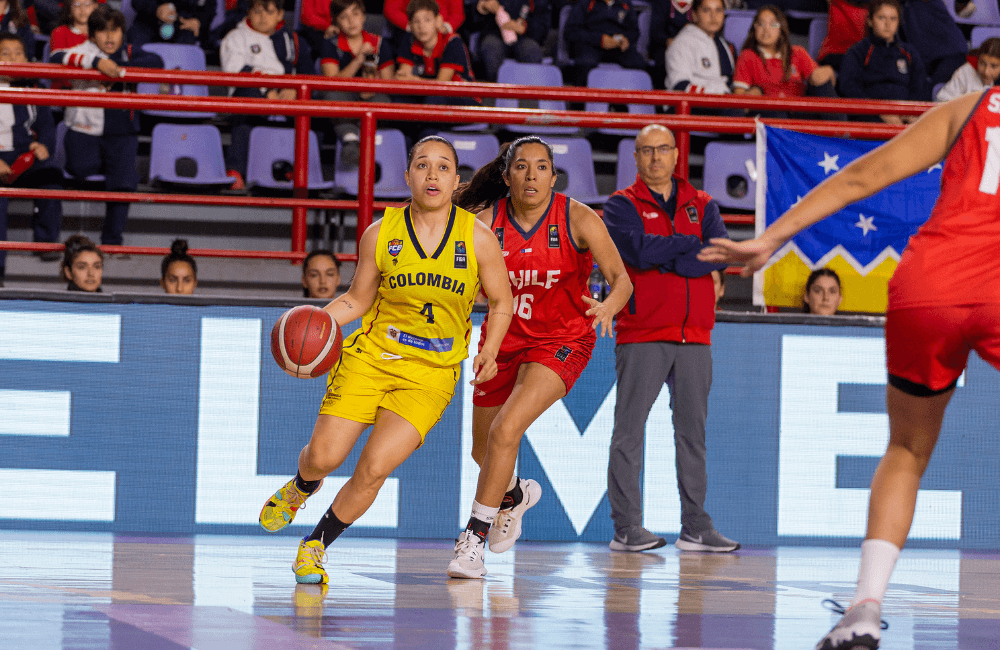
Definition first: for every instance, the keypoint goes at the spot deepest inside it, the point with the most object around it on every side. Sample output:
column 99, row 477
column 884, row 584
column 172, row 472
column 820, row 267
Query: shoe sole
column 534, row 490
column 704, row 548
column 863, row 642
column 635, row 548
column 456, row 572
column 311, row 579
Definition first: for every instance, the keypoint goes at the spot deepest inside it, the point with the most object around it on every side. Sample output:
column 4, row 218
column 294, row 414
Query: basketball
column 306, row 342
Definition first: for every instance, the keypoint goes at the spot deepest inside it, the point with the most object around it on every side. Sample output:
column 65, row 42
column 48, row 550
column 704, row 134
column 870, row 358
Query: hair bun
column 179, row 248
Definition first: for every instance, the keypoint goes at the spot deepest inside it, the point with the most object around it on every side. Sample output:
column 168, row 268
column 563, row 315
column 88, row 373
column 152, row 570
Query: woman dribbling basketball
column 419, row 270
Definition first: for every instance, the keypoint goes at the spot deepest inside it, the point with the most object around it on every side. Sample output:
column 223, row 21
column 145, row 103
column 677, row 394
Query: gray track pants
column 642, row 369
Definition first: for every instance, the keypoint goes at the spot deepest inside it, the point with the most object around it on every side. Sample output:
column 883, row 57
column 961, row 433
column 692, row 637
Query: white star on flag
column 829, row 163
column 866, row 224
column 935, row 166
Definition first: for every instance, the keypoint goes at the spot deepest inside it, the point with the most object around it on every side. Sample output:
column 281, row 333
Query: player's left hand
column 603, row 316
column 752, row 254
column 484, row 368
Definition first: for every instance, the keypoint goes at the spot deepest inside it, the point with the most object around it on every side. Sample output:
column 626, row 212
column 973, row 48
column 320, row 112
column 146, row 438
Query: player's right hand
column 484, row 368
column 751, row 254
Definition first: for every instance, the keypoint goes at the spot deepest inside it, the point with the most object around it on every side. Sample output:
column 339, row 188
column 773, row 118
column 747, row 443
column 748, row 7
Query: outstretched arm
column 915, row 149
column 364, row 287
column 496, row 286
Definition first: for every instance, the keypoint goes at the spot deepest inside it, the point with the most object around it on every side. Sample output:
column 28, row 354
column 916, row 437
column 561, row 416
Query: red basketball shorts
column 927, row 348
column 566, row 358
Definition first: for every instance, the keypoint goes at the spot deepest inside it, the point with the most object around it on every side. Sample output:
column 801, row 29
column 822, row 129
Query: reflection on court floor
column 101, row 591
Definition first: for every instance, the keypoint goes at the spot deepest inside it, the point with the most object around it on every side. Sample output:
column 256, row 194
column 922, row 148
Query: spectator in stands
column 178, row 270
column 700, row 59
column 317, row 24
column 320, row 275
column 27, row 141
column 602, row 30
column 659, row 224
column 846, row 21
column 262, row 45
column 971, row 78
column 83, row 265
column 428, row 53
column 14, row 20
column 354, row 53
column 880, row 66
column 929, row 28
column 236, row 12
column 43, row 14
column 770, row 65
column 822, row 294
column 666, row 20
column 183, row 22
column 514, row 29
column 72, row 29
column 397, row 20
column 105, row 140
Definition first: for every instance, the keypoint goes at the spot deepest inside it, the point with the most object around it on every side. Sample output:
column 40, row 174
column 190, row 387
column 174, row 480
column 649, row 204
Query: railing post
column 683, row 139
column 300, row 180
column 366, row 176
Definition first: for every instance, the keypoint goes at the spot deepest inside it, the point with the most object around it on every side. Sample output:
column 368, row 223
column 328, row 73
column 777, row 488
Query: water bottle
column 596, row 284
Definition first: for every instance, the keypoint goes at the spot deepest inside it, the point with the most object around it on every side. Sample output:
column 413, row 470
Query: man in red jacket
column 663, row 335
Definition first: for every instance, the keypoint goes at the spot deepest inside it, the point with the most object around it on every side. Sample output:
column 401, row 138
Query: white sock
column 878, row 559
column 484, row 513
column 513, row 483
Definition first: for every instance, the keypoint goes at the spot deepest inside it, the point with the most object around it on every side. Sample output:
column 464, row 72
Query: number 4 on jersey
column 428, row 311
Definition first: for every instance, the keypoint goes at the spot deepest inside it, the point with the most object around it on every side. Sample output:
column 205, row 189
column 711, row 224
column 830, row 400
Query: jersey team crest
column 395, row 246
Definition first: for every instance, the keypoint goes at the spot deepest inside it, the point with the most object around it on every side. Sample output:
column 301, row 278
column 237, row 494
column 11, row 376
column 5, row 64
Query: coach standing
column 659, row 224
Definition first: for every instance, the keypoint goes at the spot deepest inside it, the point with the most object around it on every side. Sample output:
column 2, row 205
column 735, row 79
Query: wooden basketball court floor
column 99, row 591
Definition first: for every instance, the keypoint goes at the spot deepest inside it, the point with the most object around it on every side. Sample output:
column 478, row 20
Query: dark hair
column 487, row 185
column 430, row 138
column 66, row 13
column 104, row 19
column 696, row 5
column 278, row 4
column 13, row 37
column 319, row 252
column 416, row 5
column 784, row 44
column 18, row 17
column 815, row 275
column 74, row 246
column 878, row 4
column 989, row 47
column 338, row 7
column 178, row 253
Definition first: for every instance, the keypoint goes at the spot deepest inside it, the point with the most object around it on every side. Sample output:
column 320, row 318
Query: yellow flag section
column 785, row 282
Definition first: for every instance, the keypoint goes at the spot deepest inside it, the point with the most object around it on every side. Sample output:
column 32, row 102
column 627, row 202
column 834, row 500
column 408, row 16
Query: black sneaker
column 710, row 541
column 634, row 539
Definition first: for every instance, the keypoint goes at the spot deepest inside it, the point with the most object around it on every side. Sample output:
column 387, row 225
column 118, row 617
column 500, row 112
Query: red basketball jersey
column 548, row 275
column 954, row 259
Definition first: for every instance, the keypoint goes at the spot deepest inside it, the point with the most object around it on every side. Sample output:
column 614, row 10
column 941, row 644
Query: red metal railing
column 303, row 109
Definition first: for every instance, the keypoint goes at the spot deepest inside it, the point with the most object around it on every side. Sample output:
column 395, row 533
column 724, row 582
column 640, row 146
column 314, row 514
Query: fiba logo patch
column 553, row 236
column 461, row 259
column 395, row 245
column 499, row 234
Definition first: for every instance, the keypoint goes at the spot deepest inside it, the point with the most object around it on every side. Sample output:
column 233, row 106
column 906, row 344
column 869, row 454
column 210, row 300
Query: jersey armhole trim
column 569, row 231
column 968, row 118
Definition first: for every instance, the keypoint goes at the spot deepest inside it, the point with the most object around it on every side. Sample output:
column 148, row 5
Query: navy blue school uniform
column 336, row 50
column 146, row 27
column 7, row 26
column 588, row 21
column 875, row 69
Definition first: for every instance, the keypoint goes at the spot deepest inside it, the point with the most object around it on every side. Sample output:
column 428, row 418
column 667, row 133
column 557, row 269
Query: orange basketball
column 306, row 342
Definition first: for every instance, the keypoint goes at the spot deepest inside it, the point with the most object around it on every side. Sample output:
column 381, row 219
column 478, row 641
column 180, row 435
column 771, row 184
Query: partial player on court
column 419, row 270
column 944, row 302
column 549, row 244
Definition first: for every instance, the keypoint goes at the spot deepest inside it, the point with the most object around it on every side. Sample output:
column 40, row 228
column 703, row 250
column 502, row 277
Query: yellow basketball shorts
column 359, row 386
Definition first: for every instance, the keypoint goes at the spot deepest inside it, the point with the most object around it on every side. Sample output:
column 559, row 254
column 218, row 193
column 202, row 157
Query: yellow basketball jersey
column 424, row 303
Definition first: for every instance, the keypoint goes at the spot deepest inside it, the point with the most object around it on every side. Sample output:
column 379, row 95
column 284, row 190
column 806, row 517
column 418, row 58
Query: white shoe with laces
column 468, row 562
column 859, row 629
column 506, row 528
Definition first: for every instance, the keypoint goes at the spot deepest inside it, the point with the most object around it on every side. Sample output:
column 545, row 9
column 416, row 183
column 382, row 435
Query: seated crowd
column 876, row 49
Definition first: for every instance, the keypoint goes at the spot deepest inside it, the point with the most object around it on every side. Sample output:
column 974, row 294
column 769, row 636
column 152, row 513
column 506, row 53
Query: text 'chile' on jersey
column 548, row 275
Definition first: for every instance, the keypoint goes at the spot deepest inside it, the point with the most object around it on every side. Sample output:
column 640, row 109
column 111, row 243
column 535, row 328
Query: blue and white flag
column 862, row 242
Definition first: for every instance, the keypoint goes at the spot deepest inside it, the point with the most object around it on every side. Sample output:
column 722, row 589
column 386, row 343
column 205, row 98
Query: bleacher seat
column 574, row 162
column 817, row 32
column 981, row 32
column 177, row 57
column 736, row 28
column 727, row 178
column 390, row 165
column 59, row 156
column 474, row 150
column 986, row 13
column 532, row 74
column 188, row 154
column 620, row 79
column 220, row 14
column 626, row 171
column 270, row 145
column 642, row 43
column 562, row 50
column 128, row 12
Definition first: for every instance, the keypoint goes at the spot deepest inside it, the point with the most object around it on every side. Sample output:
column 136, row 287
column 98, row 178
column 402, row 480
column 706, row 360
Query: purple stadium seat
column 986, row 13
column 390, row 165
column 474, row 150
column 177, row 57
column 269, row 145
column 626, row 171
column 727, row 177
column 737, row 26
column 574, row 162
column 128, row 12
column 817, row 32
column 59, row 156
column 533, row 74
column 194, row 150
column 620, row 79
column 981, row 33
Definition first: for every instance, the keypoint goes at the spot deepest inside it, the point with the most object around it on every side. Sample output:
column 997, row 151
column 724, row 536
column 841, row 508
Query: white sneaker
column 506, row 528
column 468, row 562
column 860, row 628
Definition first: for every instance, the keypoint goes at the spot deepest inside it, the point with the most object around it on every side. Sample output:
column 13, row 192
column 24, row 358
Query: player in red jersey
column 944, row 301
column 549, row 244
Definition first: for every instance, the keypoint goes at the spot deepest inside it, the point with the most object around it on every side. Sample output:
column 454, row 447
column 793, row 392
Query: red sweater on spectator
column 769, row 74
column 846, row 27
column 452, row 12
column 63, row 37
column 316, row 14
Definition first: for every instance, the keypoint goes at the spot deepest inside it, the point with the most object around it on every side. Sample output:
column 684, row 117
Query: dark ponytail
column 178, row 253
column 488, row 185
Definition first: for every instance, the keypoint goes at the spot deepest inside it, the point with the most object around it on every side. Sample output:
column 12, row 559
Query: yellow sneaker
column 308, row 565
column 280, row 509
